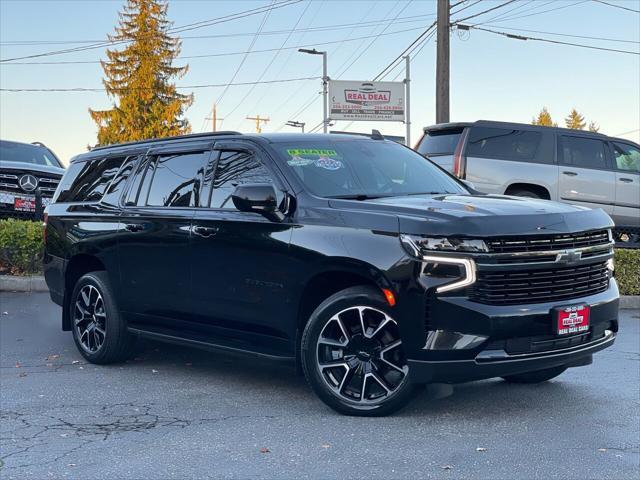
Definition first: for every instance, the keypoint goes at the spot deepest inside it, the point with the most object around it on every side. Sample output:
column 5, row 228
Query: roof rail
column 164, row 139
column 39, row 144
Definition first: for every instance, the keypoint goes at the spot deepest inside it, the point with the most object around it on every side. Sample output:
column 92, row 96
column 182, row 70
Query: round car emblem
column 28, row 183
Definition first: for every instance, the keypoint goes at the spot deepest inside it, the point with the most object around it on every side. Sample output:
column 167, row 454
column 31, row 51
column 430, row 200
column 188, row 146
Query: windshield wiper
column 431, row 193
column 360, row 197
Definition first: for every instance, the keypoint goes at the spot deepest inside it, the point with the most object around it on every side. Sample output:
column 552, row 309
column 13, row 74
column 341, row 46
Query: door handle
column 134, row 227
column 204, row 231
column 569, row 173
column 626, row 179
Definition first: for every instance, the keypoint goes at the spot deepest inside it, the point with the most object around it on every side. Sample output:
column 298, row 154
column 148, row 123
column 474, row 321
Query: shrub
column 628, row 271
column 21, row 247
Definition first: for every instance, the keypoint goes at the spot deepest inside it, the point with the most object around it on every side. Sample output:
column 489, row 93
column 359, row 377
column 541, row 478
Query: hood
column 31, row 167
column 481, row 215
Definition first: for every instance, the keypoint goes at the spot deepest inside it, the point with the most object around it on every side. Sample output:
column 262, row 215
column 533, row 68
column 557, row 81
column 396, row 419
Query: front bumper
column 463, row 340
column 488, row 364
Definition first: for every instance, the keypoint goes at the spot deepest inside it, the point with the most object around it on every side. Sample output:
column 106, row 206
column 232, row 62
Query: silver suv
column 572, row 166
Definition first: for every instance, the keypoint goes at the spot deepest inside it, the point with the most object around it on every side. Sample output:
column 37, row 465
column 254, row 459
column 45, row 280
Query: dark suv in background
column 573, row 166
column 28, row 172
column 356, row 258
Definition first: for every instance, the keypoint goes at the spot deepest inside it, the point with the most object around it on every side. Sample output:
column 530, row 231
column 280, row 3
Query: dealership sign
column 369, row 101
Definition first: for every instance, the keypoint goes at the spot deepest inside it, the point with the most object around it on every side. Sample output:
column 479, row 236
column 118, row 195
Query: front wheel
column 352, row 354
column 535, row 377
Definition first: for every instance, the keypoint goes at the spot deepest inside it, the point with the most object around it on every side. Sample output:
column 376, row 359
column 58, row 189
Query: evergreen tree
column 594, row 127
column 138, row 78
column 575, row 120
column 544, row 119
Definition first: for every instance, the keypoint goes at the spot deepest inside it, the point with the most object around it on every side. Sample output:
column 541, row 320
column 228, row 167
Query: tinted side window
column 113, row 193
column 68, row 178
column 235, row 168
column 583, row 152
column 503, row 143
column 177, row 179
column 627, row 157
column 440, row 142
column 92, row 180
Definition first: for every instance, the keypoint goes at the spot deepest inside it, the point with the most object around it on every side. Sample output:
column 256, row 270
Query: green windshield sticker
column 296, row 152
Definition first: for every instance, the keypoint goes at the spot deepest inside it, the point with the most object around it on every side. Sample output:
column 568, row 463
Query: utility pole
column 442, row 65
column 259, row 119
column 214, row 119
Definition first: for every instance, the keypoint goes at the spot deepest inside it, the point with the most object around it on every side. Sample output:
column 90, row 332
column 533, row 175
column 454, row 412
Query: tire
column 356, row 372
column 98, row 329
column 535, row 377
column 525, row 193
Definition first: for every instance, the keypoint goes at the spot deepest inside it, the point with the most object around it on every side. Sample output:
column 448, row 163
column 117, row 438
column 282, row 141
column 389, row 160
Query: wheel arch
column 332, row 279
column 541, row 190
column 77, row 266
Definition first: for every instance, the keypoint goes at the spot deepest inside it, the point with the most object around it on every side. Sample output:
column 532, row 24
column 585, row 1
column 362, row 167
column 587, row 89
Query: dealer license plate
column 573, row 319
column 24, row 204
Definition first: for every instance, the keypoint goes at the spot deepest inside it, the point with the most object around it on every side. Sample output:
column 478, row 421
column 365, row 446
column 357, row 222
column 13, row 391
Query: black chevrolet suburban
column 357, row 258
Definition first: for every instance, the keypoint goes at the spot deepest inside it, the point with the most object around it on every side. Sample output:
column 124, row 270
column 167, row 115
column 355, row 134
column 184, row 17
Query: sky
column 492, row 77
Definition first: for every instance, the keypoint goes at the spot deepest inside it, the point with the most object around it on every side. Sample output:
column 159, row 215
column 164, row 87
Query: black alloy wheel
column 352, row 354
column 89, row 319
column 99, row 331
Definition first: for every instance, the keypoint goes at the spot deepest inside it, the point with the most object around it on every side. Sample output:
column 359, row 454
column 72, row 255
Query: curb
column 10, row 283
column 630, row 302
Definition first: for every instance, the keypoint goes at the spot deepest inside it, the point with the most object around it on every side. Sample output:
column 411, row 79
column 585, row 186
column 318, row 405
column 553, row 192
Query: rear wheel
column 98, row 329
column 352, row 354
column 524, row 193
column 535, row 377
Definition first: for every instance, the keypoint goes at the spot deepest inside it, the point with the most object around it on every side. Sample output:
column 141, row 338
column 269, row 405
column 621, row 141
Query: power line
column 518, row 16
column 626, row 133
column 566, row 34
column 273, row 59
column 253, row 42
column 487, row 11
column 463, row 8
column 617, row 6
column 223, row 54
column 521, row 37
column 183, row 87
column 399, row 57
column 188, row 27
column 319, row 28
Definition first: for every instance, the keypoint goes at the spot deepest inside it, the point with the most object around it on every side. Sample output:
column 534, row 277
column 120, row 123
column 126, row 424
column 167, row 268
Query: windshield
column 367, row 169
column 24, row 153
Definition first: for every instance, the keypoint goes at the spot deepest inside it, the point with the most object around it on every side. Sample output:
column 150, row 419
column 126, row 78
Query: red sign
column 24, row 204
column 573, row 319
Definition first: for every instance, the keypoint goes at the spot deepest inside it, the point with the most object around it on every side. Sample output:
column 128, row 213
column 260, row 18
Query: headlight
column 433, row 251
column 611, row 265
column 418, row 246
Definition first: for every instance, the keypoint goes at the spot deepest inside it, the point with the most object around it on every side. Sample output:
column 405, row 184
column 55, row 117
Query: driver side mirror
column 257, row 198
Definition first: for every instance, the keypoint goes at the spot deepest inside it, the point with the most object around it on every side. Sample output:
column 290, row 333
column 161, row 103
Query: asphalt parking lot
column 173, row 412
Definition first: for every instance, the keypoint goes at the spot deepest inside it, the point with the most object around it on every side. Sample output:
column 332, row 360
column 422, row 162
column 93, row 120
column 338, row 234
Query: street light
column 325, row 83
column 296, row 124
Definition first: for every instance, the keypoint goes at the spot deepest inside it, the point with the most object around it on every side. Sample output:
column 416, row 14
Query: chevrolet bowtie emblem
column 28, row 183
column 569, row 256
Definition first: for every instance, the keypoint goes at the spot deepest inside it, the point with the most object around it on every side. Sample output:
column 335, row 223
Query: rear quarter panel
column 496, row 176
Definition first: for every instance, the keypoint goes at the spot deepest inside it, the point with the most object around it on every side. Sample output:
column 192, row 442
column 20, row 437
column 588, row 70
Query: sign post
column 407, row 100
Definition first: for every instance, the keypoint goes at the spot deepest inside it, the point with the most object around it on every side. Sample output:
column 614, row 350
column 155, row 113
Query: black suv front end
column 522, row 304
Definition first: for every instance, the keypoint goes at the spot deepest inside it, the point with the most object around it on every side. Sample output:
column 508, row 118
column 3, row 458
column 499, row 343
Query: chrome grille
column 539, row 285
column 9, row 182
column 541, row 243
